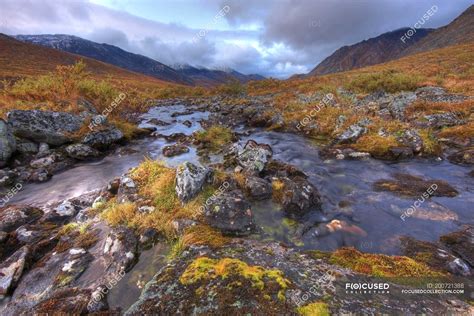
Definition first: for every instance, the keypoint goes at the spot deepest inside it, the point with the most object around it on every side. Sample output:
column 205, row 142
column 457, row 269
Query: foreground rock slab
column 53, row 128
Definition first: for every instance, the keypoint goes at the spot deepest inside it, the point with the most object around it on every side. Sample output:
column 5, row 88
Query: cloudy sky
column 275, row 38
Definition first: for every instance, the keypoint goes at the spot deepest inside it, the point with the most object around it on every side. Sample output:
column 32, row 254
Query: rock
column 44, row 162
column 396, row 154
column 409, row 185
column 230, row 213
column 113, row 186
column 11, row 270
column 180, row 225
column 438, row 94
column 53, row 128
column 297, row 195
column 148, row 237
column 68, row 301
column 121, row 246
column 399, row 103
column 341, row 119
column 26, row 147
column 461, row 243
column 103, row 139
column 351, row 134
column 358, row 155
column 187, row 123
column 7, row 143
column 186, row 112
column 174, row 150
column 155, row 121
column 459, row 267
column 437, row 256
column 254, row 156
column 87, row 106
column 464, row 156
column 146, row 209
column 189, row 180
column 176, row 137
column 279, row 169
column 81, row 151
column 43, row 148
column 14, row 216
column 258, row 188
column 209, row 281
column 40, row 175
column 127, row 190
column 444, row 119
column 66, row 209
column 412, row 139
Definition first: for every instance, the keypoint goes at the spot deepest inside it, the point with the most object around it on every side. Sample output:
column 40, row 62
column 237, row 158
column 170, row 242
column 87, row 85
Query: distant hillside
column 19, row 59
column 388, row 46
column 209, row 77
column 459, row 31
column 116, row 56
column 380, row 49
column 108, row 54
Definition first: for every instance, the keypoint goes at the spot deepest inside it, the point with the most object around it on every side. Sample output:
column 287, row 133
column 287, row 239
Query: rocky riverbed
column 298, row 221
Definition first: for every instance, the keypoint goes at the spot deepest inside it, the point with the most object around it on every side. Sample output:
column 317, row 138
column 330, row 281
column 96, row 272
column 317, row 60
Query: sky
column 274, row 38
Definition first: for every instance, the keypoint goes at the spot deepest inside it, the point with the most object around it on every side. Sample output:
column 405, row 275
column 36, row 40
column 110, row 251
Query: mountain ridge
column 135, row 62
column 389, row 46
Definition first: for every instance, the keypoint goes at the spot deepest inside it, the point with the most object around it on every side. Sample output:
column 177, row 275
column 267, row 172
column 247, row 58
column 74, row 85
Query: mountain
column 211, row 77
column 459, row 31
column 19, row 59
column 389, row 46
column 108, row 54
column 138, row 63
column 380, row 49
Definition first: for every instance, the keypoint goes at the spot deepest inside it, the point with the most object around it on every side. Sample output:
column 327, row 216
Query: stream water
column 367, row 219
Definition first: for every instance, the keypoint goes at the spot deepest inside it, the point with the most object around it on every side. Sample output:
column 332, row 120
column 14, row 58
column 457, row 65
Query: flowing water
column 361, row 217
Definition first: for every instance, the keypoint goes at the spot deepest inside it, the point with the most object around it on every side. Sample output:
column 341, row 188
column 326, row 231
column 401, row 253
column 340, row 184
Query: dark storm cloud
column 314, row 29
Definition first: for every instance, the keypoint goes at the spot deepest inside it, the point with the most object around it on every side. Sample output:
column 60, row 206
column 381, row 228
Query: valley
column 130, row 187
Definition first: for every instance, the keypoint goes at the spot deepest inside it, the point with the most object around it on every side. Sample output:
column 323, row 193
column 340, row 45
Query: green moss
column 381, row 265
column 317, row 254
column 314, row 309
column 215, row 137
column 177, row 248
column 204, row 268
column 68, row 228
column 63, row 279
column 430, row 143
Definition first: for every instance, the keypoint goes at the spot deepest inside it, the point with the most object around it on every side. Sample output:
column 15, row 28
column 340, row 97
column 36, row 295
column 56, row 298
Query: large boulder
column 53, row 128
column 230, row 213
column 189, row 180
column 104, row 138
column 7, row 142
